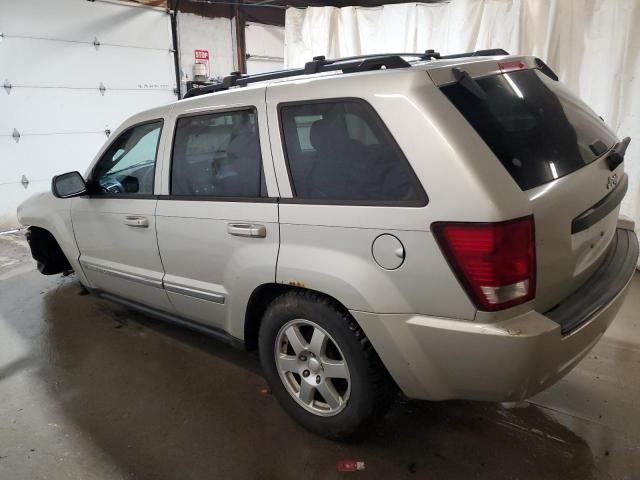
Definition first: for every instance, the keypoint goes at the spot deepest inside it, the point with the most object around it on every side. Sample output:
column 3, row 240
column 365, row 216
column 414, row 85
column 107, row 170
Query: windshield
column 538, row 130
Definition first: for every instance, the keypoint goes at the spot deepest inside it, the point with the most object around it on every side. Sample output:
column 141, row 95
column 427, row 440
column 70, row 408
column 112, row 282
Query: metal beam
column 176, row 51
column 241, row 47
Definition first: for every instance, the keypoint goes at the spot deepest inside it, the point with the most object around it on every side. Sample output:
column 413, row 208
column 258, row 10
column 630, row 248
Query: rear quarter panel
column 328, row 247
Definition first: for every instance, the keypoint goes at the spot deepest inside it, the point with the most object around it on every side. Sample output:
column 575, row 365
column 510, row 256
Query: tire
column 364, row 396
column 46, row 252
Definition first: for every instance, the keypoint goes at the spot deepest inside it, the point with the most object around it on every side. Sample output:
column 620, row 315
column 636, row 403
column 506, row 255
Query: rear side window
column 537, row 129
column 340, row 151
column 217, row 155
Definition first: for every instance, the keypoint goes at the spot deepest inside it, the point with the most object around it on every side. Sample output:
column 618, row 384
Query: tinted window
column 217, row 155
column 342, row 151
column 128, row 165
column 537, row 129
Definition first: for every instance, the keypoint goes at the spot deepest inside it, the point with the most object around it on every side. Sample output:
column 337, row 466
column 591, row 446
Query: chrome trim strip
column 170, row 317
column 192, row 292
column 150, row 282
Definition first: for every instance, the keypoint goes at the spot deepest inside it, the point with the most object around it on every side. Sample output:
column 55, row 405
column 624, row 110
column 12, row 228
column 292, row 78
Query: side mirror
column 68, row 185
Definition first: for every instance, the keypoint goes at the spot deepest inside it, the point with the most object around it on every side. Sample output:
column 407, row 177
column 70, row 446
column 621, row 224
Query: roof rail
column 318, row 64
column 479, row 53
column 360, row 63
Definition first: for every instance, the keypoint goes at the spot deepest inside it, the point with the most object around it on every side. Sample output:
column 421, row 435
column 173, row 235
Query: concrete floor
column 89, row 390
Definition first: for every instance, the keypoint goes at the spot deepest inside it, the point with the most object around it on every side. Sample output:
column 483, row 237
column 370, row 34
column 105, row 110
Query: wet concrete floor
column 89, row 390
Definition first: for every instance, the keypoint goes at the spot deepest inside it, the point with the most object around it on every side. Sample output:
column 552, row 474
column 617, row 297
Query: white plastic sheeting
column 593, row 46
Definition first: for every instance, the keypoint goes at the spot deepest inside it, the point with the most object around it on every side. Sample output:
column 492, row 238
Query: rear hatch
column 558, row 151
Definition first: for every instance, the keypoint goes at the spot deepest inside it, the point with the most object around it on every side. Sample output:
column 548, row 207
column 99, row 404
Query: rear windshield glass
column 536, row 128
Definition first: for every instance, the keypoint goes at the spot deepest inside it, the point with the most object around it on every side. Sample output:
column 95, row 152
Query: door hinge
column 7, row 86
column 24, row 181
column 96, row 43
column 16, row 135
column 102, row 88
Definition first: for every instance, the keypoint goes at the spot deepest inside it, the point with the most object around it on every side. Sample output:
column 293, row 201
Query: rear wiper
column 616, row 157
column 468, row 83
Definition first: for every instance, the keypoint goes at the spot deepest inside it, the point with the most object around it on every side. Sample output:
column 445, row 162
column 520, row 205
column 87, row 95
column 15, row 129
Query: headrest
column 321, row 135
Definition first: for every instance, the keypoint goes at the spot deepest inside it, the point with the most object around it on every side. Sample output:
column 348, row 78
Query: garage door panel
column 47, row 54
column 14, row 194
column 39, row 157
column 75, row 20
column 78, row 65
column 44, row 110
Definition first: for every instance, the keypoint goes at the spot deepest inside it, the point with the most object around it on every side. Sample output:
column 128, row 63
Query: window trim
column 129, row 196
column 212, row 198
column 418, row 203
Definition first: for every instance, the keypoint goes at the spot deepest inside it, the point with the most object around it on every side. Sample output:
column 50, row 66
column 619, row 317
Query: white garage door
column 72, row 70
column 265, row 47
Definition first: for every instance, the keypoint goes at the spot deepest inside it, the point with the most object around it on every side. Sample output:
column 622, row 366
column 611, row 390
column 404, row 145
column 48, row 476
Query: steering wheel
column 111, row 186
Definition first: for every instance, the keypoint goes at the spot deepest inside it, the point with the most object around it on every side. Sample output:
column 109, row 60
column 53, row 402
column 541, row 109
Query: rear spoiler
column 492, row 52
column 467, row 72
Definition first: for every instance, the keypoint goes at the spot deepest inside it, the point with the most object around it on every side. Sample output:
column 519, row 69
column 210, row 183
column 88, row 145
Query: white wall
column 48, row 56
column 264, row 44
column 265, row 47
column 204, row 33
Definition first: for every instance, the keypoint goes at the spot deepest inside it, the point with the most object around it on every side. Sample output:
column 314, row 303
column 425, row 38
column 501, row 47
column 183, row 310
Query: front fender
column 53, row 214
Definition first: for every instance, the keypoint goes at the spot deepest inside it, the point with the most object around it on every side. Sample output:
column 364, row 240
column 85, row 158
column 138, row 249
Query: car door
column 114, row 224
column 217, row 219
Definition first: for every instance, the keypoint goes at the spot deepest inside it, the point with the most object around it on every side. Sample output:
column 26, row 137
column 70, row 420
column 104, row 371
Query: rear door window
column 538, row 130
column 340, row 151
column 217, row 155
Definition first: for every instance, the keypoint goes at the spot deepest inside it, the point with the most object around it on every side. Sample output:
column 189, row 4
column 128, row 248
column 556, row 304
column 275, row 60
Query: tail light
column 495, row 262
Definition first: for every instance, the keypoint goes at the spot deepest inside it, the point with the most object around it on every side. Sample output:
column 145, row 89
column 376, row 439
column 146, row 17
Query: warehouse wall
column 264, row 45
column 56, row 55
column 55, row 105
column 203, row 33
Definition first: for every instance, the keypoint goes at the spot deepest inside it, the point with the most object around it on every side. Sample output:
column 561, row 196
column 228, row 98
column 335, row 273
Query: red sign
column 202, row 55
column 201, row 67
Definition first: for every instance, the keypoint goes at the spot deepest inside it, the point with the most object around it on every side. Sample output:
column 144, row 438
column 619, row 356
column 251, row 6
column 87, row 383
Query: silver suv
column 447, row 226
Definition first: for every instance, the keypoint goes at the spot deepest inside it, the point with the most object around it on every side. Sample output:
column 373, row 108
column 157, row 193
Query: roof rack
column 317, row 65
column 361, row 63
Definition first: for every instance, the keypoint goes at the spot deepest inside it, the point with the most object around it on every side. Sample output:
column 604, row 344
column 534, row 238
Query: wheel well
column 260, row 299
column 46, row 251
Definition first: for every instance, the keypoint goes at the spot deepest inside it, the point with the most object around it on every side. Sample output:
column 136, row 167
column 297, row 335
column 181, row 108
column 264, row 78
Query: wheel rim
column 312, row 367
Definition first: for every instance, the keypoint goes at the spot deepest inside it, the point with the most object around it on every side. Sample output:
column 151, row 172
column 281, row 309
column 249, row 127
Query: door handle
column 247, row 230
column 136, row 221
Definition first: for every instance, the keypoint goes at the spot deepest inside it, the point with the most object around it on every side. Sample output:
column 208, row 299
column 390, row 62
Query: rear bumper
column 437, row 359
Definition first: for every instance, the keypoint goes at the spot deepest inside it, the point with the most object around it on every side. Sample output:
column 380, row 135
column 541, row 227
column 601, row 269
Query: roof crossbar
column 361, row 63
